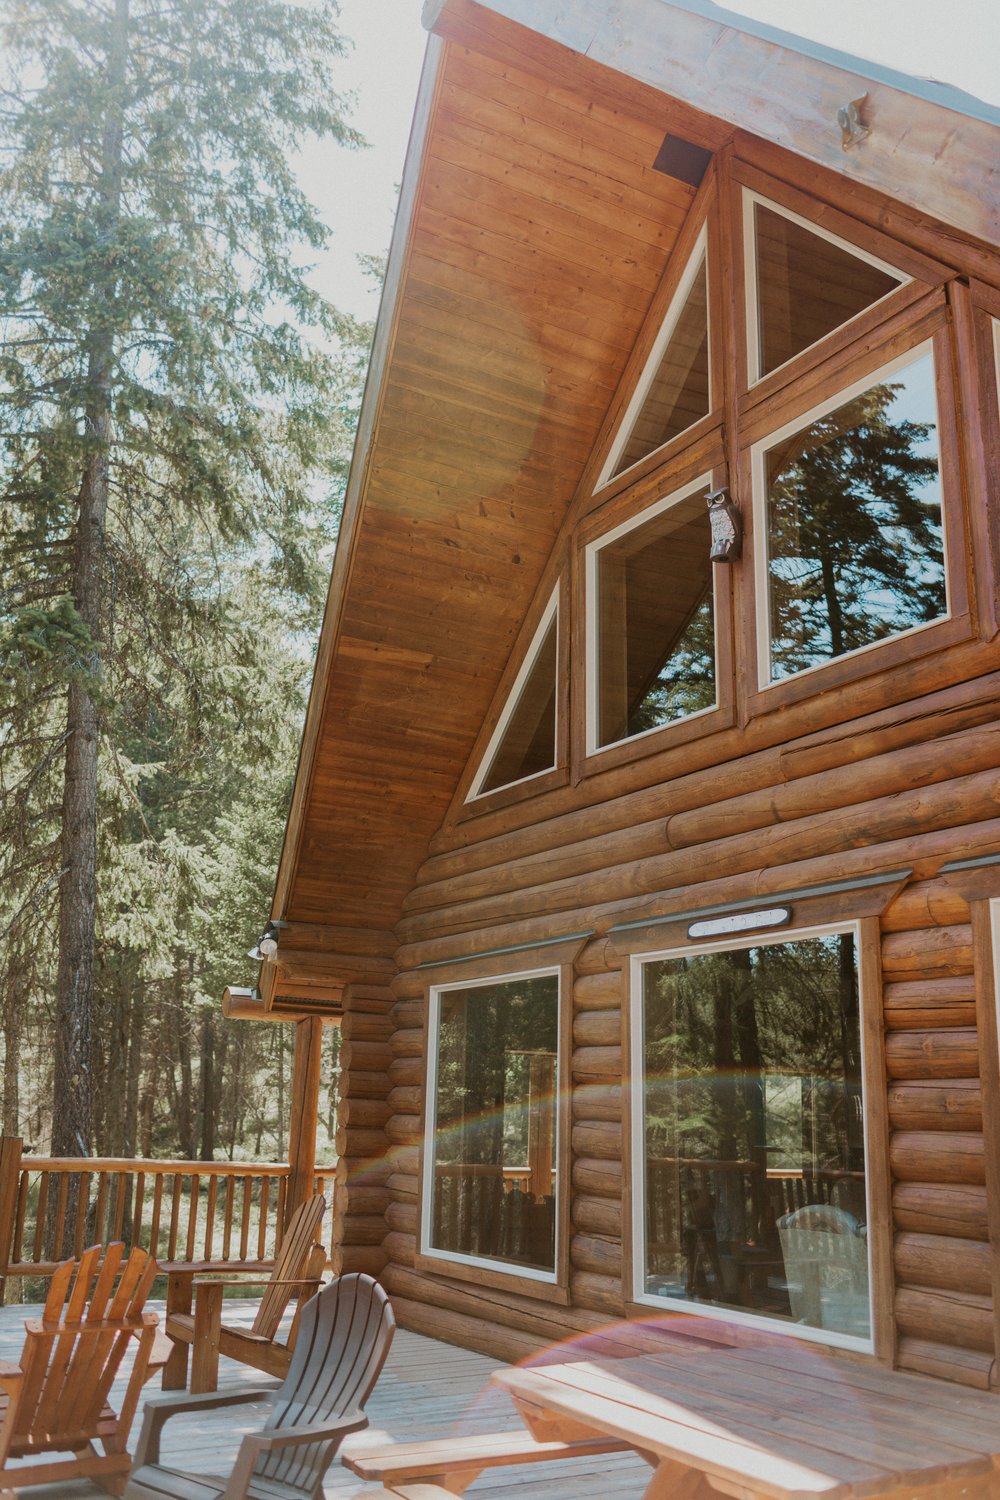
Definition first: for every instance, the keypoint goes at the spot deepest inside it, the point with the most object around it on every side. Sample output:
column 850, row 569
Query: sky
column 957, row 42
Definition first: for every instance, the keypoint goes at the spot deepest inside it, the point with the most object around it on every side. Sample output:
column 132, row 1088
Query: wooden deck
column 426, row 1389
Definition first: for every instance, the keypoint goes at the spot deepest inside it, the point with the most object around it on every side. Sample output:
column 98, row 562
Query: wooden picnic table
column 779, row 1422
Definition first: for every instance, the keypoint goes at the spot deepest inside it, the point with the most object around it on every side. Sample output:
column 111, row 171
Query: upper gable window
column 849, row 504
column 524, row 742
column 674, row 391
column 653, row 629
column 803, row 283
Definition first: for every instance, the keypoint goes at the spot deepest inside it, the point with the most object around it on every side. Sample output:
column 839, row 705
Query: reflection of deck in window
column 755, row 1167
column 494, row 1144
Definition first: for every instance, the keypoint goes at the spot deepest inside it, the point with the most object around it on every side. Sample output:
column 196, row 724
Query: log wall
column 923, row 799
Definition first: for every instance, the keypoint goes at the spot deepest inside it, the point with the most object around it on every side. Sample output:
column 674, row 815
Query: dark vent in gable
column 682, row 159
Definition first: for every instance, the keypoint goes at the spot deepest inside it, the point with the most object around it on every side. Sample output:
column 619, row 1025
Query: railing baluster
column 265, row 1193
column 102, row 1208
column 213, row 1189
column 175, row 1210
column 137, row 1208
column 192, row 1216
column 154, row 1227
column 119, row 1206
column 279, row 1217
column 245, row 1225
column 59, row 1227
column 41, row 1211
column 227, row 1228
column 82, row 1205
column 16, row 1250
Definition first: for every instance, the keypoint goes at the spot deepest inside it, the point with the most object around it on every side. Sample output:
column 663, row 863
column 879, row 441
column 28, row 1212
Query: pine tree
column 173, row 439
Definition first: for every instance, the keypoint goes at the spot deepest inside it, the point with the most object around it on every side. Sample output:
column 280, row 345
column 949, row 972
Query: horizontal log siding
column 941, row 1255
column 363, row 1115
column 595, row 1247
column 917, row 786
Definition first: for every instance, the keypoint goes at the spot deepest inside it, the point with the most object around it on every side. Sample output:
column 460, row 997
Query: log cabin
column 645, row 840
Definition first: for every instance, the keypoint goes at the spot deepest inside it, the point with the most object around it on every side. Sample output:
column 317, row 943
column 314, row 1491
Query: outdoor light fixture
column 267, row 944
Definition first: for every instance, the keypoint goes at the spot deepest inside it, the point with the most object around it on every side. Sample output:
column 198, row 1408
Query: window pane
column 656, row 623
column 754, row 1139
column 528, row 745
column 678, row 394
column 854, row 526
column 495, row 1135
column 806, row 287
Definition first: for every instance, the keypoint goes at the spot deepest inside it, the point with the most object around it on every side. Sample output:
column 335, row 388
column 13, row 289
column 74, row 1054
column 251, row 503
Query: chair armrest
column 313, row 1432
column 159, row 1409
column 257, row 1444
column 258, row 1281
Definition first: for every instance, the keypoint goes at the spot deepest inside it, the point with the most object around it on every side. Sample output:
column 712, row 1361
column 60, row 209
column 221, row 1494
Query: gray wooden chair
column 344, row 1336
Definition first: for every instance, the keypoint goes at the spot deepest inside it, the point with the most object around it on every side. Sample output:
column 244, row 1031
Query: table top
column 776, row 1421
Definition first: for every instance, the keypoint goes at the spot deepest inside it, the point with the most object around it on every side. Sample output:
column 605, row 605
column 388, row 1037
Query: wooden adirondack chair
column 298, row 1267
column 344, row 1336
column 55, row 1399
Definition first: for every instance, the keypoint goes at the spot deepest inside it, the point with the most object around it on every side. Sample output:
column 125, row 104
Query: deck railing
column 224, row 1213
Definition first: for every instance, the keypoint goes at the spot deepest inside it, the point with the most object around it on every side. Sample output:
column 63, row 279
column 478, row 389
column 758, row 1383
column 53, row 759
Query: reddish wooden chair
column 298, row 1267
column 56, row 1399
column 344, row 1336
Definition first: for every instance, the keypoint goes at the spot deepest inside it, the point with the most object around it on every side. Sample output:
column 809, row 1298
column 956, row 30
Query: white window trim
column 513, row 699
column 593, row 624
column 427, row 1192
column 758, row 456
column 702, row 1309
column 750, row 200
column 656, row 354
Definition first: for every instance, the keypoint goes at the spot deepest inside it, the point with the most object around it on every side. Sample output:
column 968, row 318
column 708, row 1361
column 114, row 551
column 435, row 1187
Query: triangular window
column 674, row 391
column 802, row 284
column 524, row 741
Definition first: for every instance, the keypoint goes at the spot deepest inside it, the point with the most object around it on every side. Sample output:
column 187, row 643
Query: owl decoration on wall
column 727, row 527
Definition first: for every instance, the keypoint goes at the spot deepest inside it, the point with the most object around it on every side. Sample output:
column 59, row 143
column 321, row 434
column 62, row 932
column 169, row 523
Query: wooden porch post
column 304, row 1113
column 10, row 1176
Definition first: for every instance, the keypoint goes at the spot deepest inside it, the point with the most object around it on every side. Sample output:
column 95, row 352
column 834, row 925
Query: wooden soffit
column 531, row 236
column 930, row 146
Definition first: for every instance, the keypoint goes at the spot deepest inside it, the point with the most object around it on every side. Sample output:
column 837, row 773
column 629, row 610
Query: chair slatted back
column 72, row 1353
column 344, row 1336
column 290, row 1265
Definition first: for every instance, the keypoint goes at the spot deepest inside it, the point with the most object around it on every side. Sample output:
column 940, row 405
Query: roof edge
column 385, row 325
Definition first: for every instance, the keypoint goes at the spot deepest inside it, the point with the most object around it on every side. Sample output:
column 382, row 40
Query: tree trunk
column 13, row 1028
column 72, row 1090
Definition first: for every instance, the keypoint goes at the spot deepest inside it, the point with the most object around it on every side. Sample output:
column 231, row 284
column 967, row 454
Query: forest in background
column 178, row 408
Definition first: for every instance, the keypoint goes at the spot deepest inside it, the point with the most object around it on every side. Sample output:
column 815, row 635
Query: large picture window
column 751, row 1133
column 652, row 620
column 849, row 521
column 490, row 1157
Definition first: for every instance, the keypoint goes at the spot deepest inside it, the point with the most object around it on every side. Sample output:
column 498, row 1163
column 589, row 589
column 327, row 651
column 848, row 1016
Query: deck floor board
column 426, row 1390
